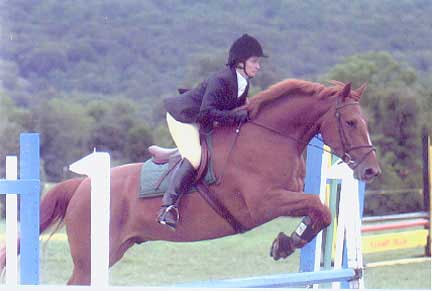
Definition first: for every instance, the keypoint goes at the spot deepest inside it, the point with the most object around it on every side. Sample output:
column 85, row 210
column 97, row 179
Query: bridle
column 346, row 146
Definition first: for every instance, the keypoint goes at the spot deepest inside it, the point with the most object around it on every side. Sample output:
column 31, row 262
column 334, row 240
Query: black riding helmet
column 243, row 48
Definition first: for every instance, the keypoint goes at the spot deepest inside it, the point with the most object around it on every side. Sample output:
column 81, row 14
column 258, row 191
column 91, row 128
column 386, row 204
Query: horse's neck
column 298, row 117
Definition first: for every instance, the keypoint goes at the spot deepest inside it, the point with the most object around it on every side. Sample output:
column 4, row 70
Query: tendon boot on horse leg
column 284, row 245
column 182, row 179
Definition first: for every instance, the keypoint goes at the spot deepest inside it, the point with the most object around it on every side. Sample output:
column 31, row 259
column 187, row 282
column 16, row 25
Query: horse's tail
column 52, row 210
column 55, row 202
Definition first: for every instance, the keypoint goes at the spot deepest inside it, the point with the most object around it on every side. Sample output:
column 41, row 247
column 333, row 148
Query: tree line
column 396, row 104
column 143, row 49
column 93, row 74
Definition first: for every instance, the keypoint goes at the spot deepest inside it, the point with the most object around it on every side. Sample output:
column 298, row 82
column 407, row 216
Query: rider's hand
column 241, row 116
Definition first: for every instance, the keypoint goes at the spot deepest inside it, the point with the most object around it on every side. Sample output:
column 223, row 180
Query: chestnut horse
column 263, row 175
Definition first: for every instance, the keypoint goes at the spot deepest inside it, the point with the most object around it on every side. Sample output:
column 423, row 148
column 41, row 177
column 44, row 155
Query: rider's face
column 253, row 65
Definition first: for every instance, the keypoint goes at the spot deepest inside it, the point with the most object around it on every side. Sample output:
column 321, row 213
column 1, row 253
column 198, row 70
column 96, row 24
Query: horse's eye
column 351, row 123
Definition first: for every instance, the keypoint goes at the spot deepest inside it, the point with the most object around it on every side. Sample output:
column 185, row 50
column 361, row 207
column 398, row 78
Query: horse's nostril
column 371, row 172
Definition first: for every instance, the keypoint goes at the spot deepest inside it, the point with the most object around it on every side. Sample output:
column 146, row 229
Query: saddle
column 160, row 155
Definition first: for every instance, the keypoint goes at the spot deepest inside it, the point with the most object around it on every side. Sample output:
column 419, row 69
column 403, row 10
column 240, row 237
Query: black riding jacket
column 210, row 101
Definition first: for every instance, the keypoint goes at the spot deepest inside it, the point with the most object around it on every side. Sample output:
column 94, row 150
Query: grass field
column 164, row 263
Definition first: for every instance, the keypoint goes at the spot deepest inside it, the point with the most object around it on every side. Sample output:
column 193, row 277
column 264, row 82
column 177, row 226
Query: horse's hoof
column 282, row 247
column 273, row 250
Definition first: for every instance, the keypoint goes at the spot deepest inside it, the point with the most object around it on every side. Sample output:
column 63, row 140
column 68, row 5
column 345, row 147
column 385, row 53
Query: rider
column 213, row 100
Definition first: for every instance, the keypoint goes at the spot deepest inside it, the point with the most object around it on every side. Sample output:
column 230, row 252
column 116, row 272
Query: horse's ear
column 337, row 83
column 346, row 91
column 361, row 89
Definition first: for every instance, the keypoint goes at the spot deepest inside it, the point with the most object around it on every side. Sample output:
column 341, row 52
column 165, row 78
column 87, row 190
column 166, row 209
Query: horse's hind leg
column 80, row 276
column 80, row 248
column 81, row 258
column 77, row 222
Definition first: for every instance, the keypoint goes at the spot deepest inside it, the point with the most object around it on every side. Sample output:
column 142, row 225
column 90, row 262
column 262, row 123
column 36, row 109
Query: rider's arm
column 212, row 104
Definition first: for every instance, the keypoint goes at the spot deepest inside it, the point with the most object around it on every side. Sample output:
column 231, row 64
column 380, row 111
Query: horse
column 263, row 175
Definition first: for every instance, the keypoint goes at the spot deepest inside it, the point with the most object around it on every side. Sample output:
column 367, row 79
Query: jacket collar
column 234, row 83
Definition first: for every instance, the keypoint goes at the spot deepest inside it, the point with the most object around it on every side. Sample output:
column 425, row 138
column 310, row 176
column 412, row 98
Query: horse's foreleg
column 317, row 216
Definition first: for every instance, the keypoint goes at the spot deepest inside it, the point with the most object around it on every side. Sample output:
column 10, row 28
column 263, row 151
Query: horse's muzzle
column 367, row 174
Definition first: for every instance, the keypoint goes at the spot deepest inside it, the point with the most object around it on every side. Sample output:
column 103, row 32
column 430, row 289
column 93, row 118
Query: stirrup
column 162, row 220
column 168, row 209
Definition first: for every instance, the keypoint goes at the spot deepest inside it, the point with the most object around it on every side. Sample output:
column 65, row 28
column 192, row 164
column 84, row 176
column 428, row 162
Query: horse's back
column 126, row 170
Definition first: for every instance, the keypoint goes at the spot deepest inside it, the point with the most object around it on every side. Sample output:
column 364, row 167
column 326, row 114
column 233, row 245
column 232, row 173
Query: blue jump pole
column 312, row 186
column 29, row 209
column 277, row 281
column 28, row 186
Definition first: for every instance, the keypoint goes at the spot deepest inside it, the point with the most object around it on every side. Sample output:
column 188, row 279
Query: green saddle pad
column 151, row 172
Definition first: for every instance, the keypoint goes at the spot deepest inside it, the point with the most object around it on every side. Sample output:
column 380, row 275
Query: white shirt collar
column 241, row 84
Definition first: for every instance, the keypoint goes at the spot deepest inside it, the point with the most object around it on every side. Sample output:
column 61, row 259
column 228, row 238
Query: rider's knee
column 193, row 156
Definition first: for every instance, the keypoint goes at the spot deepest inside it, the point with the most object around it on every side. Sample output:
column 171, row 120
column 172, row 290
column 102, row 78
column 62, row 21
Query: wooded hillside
column 93, row 73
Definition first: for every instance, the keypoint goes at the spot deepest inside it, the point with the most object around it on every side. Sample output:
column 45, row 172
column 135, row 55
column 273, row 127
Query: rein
column 237, row 132
column 278, row 132
column 346, row 146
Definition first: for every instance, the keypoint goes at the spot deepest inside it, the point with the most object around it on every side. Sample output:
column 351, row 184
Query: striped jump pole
column 28, row 187
column 277, row 281
column 321, row 176
column 348, row 253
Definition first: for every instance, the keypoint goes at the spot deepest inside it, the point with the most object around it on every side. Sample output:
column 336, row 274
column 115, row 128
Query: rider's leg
column 182, row 179
column 186, row 137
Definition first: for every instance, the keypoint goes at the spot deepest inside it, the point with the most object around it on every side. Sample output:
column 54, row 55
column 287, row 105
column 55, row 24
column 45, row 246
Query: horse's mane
column 292, row 87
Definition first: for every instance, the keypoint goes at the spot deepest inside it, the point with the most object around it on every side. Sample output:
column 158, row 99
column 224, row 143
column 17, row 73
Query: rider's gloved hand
column 241, row 116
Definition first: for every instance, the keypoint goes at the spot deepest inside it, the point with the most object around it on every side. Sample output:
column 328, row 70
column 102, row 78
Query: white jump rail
column 11, row 225
column 97, row 167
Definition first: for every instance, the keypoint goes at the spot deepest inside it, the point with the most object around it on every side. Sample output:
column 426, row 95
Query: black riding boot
column 181, row 181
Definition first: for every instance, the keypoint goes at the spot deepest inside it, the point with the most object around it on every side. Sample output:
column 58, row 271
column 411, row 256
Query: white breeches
column 186, row 137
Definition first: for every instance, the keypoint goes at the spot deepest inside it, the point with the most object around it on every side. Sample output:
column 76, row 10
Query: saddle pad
column 151, row 172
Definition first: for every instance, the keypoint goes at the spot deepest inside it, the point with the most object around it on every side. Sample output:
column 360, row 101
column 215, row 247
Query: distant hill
column 145, row 49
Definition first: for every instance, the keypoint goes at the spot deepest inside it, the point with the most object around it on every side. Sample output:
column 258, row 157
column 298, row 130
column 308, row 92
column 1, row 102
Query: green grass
column 165, row 263
column 408, row 276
